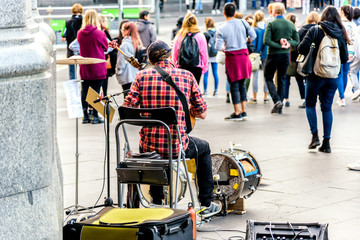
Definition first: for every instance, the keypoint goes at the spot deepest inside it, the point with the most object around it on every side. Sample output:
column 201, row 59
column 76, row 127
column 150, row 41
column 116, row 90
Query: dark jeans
column 216, row 4
column 300, row 83
column 279, row 63
column 105, row 86
column 72, row 71
column 238, row 91
column 94, row 84
column 325, row 88
column 196, row 71
column 200, row 150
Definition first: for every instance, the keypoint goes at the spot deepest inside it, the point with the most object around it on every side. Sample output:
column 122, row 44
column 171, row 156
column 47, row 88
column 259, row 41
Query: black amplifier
column 286, row 231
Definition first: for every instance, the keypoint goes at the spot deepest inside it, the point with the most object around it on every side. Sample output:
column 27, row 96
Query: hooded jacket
column 93, row 44
column 146, row 31
column 315, row 34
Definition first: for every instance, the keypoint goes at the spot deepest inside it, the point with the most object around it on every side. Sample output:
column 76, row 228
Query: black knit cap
column 158, row 51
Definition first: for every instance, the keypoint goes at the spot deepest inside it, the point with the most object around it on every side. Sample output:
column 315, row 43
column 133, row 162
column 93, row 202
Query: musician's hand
column 113, row 44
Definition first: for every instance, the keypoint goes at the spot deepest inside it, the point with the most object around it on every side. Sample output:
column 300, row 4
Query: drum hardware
column 236, row 175
column 77, row 60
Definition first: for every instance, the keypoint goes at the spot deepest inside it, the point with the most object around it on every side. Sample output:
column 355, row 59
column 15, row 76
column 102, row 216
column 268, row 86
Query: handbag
column 75, row 47
column 108, row 62
column 250, row 45
column 305, row 64
column 220, row 57
column 291, row 71
column 255, row 61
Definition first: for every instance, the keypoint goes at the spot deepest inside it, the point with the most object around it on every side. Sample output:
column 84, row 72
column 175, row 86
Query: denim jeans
column 279, row 63
column 238, row 91
column 72, row 72
column 343, row 78
column 200, row 150
column 325, row 88
column 214, row 67
column 300, row 83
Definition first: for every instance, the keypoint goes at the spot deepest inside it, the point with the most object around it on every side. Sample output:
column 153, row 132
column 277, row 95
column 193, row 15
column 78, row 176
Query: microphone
column 108, row 97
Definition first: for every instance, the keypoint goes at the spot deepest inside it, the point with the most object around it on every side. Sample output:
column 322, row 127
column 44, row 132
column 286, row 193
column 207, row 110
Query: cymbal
column 79, row 60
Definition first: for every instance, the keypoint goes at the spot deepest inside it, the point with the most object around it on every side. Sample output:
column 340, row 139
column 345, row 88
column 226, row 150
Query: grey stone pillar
column 30, row 179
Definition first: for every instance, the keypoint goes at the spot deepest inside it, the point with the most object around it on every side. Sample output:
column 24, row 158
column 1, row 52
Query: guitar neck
column 131, row 60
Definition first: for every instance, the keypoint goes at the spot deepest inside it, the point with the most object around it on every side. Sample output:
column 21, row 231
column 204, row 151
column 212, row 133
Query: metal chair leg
column 189, row 181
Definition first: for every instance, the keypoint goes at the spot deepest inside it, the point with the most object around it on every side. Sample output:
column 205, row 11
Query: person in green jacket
column 280, row 35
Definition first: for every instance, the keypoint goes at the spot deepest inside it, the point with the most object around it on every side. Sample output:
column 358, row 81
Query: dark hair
column 120, row 37
column 331, row 14
column 356, row 13
column 348, row 12
column 291, row 17
column 143, row 13
column 229, row 9
column 179, row 22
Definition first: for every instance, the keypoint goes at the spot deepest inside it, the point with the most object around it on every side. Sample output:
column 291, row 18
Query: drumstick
column 131, row 60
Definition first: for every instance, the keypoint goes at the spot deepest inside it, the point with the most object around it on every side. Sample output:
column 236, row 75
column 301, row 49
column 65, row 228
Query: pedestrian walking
column 317, row 86
column 212, row 52
column 280, row 35
column 190, row 48
column 72, row 26
column 93, row 43
column 260, row 48
column 146, row 29
column 234, row 33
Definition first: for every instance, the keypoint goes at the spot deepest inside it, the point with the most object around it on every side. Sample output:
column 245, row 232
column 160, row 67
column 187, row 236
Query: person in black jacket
column 316, row 86
column 72, row 26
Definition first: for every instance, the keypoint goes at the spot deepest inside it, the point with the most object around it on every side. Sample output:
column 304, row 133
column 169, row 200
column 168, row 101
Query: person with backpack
column 146, row 29
column 72, row 26
column 212, row 51
column 346, row 14
column 330, row 36
column 260, row 48
column 234, row 33
column 190, row 48
column 125, row 72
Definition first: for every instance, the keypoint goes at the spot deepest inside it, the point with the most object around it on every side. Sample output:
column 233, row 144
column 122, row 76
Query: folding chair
column 143, row 169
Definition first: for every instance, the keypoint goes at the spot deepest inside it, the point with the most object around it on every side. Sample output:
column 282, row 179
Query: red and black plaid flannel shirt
column 149, row 91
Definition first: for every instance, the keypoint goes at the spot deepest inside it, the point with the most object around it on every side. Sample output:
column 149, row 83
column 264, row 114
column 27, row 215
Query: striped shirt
column 149, row 91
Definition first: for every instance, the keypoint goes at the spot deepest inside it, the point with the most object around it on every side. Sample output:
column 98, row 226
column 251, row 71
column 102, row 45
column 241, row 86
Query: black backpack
column 140, row 55
column 212, row 51
column 189, row 51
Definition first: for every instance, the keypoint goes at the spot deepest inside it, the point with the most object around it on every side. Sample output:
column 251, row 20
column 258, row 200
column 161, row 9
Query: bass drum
column 239, row 173
column 145, row 189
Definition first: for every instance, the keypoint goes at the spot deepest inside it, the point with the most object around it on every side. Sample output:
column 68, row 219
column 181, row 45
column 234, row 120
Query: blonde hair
column 209, row 23
column 77, row 8
column 291, row 17
column 313, row 17
column 279, row 8
column 190, row 25
column 91, row 18
column 238, row 15
column 271, row 7
column 259, row 16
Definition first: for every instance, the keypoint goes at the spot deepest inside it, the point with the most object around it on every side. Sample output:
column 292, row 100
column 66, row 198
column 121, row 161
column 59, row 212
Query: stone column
column 30, row 179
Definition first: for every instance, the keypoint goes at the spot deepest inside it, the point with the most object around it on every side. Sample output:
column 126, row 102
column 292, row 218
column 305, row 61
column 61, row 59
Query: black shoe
column 227, row 98
column 86, row 120
column 234, row 117
column 244, row 115
column 97, row 120
column 314, row 141
column 277, row 108
column 302, row 105
column 325, row 147
column 213, row 209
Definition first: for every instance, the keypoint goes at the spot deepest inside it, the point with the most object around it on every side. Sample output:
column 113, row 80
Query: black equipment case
column 286, row 231
column 132, row 224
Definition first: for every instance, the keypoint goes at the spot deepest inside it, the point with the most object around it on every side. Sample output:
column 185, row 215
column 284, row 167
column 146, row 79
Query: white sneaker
column 354, row 166
column 213, row 12
column 342, row 102
column 356, row 95
column 218, row 12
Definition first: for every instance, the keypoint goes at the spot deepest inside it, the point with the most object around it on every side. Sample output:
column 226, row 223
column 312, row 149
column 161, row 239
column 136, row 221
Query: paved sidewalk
column 298, row 185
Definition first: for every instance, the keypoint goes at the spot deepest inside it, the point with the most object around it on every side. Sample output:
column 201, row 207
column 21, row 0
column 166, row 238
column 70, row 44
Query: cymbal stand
column 76, row 208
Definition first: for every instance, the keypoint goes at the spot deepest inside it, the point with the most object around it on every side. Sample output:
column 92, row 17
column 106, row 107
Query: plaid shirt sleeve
column 198, row 104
